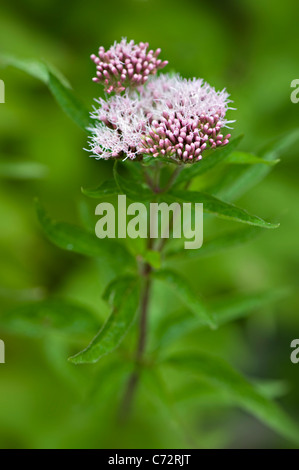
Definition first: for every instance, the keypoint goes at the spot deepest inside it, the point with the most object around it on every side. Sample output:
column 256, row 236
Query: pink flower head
column 120, row 124
column 126, row 65
column 187, row 117
column 171, row 117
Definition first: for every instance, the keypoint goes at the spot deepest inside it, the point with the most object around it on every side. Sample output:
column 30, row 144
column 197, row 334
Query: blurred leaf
column 22, row 170
column 225, row 310
column 208, row 162
column 72, row 238
column 185, row 293
column 219, row 373
column 58, row 86
column 272, row 388
column 133, row 190
column 239, row 180
column 217, row 244
column 237, row 306
column 107, row 188
column 39, row 318
column 243, row 158
column 124, row 296
column 69, row 103
column 221, row 209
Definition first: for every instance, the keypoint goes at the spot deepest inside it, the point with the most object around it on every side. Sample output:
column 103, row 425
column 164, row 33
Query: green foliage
column 218, row 243
column 224, row 310
column 123, row 295
column 221, row 209
column 224, row 173
column 22, row 170
column 56, row 83
column 47, row 316
column 217, row 372
column 72, row 238
column 183, row 291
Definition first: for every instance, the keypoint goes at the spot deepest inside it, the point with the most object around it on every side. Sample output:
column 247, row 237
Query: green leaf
column 181, row 287
column 72, row 238
column 243, row 158
column 134, row 190
column 22, row 170
column 69, row 103
column 232, row 308
column 124, row 296
column 39, row 318
column 57, row 84
column 217, row 244
column 221, row 209
column 107, row 188
column 239, row 180
column 224, row 310
column 208, row 162
column 217, row 372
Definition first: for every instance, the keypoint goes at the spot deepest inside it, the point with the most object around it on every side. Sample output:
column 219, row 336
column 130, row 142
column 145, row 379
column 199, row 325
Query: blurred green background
column 249, row 47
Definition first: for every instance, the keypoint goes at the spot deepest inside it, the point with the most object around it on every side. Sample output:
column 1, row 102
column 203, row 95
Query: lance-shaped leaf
column 234, row 307
column 56, row 83
column 181, row 287
column 208, row 162
column 217, row 244
column 72, row 238
column 221, row 209
column 239, row 180
column 224, row 310
column 244, row 158
column 52, row 315
column 124, row 297
column 219, row 373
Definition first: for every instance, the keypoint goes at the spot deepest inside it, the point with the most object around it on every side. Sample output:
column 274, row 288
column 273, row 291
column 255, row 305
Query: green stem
column 133, row 381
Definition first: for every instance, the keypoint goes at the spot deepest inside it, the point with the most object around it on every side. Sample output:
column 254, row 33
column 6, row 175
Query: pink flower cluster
column 173, row 135
column 126, row 64
column 168, row 117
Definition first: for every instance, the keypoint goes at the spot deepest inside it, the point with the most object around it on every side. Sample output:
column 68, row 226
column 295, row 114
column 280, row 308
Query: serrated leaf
column 217, row 244
column 107, row 188
column 39, row 318
column 181, row 287
column 221, row 209
column 208, row 162
column 125, row 302
column 72, row 238
column 57, row 84
column 242, row 392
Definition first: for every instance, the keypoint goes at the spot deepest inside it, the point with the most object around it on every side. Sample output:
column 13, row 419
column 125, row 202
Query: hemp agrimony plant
column 168, row 140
